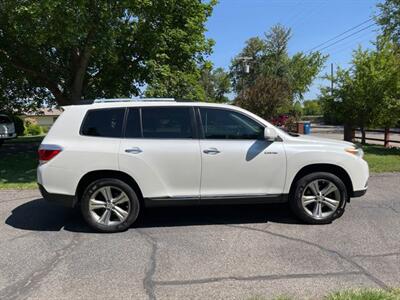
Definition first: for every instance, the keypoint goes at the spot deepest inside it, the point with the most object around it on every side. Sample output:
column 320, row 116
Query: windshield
column 4, row 120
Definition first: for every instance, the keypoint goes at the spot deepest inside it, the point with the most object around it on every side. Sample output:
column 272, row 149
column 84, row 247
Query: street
column 220, row 252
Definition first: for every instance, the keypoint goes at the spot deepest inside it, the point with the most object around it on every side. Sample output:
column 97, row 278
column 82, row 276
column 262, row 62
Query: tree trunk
column 362, row 135
column 348, row 132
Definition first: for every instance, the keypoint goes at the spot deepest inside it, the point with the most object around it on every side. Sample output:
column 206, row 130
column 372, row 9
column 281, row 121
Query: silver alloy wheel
column 321, row 198
column 109, row 206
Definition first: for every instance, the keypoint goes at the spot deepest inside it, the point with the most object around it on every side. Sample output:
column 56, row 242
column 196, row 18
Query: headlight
column 355, row 151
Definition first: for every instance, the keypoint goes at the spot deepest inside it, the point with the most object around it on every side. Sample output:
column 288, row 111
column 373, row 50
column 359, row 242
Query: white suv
column 114, row 157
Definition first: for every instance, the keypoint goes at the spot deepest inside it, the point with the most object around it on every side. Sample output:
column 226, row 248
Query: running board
column 216, row 200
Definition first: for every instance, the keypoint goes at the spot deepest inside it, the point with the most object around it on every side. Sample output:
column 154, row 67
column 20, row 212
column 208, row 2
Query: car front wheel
column 110, row 205
column 319, row 198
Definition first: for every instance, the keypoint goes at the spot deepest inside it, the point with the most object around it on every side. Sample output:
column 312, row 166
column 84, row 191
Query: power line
column 346, row 37
column 341, row 34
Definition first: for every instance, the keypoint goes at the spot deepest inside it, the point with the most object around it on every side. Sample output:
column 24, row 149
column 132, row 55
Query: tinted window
column 226, row 124
column 4, row 119
column 104, row 122
column 133, row 124
column 167, row 122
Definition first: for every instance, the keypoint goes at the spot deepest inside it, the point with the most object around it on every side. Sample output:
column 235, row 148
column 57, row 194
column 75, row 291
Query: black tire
column 115, row 185
column 1, row 142
column 296, row 203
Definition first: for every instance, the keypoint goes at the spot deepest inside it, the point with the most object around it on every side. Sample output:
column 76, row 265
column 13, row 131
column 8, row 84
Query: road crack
column 148, row 282
column 30, row 283
column 255, row 278
column 361, row 269
column 376, row 255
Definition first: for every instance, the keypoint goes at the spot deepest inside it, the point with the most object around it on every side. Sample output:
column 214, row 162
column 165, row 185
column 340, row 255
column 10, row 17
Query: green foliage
column 389, row 19
column 203, row 84
column 312, row 108
column 297, row 110
column 266, row 96
column 274, row 75
column 216, row 84
column 368, row 94
column 33, row 129
column 66, row 51
column 365, row 294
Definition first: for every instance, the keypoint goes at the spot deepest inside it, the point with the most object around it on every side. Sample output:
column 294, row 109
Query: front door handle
column 134, row 150
column 211, row 151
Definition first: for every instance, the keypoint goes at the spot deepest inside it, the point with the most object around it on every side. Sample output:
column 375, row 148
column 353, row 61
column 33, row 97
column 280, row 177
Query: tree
column 17, row 96
column 266, row 96
column 389, row 19
column 312, row 107
column 367, row 94
column 216, row 84
column 274, row 75
column 204, row 84
column 87, row 49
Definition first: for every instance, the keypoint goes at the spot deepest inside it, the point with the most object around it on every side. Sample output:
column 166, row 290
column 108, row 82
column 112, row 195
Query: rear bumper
column 64, row 200
column 7, row 136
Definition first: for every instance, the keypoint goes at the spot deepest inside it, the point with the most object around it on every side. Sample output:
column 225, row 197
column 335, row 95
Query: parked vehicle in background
column 115, row 157
column 7, row 128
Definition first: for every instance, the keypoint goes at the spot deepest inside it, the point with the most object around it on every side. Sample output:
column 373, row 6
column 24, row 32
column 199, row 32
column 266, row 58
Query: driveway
column 230, row 252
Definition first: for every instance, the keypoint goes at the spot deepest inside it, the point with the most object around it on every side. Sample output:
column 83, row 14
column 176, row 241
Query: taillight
column 48, row 152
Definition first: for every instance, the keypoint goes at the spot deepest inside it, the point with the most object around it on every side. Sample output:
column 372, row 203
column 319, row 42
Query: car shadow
column 39, row 215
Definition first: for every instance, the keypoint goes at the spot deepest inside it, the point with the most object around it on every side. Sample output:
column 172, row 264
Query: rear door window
column 167, row 122
column 103, row 122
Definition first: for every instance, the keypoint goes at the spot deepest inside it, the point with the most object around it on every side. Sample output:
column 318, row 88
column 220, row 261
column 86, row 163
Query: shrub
column 33, row 129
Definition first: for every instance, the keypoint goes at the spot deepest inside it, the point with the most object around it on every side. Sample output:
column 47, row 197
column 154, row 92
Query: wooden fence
column 386, row 135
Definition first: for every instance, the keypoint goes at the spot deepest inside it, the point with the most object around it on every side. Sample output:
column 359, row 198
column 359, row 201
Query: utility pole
column 331, row 79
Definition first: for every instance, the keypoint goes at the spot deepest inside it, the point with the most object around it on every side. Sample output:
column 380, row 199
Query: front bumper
column 64, row 200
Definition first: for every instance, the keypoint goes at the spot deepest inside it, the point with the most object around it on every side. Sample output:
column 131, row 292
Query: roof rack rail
column 133, row 100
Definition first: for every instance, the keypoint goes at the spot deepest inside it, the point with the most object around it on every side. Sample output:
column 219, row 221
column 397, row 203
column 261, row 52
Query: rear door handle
column 211, row 151
column 134, row 150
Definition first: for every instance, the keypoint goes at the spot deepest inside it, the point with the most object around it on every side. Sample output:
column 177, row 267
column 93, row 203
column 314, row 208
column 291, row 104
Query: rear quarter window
column 103, row 122
column 4, row 120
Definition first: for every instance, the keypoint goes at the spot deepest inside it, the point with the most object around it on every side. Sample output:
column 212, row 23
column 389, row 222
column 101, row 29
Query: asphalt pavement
column 220, row 252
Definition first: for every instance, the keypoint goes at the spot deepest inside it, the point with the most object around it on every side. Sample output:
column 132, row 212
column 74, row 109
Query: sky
column 312, row 22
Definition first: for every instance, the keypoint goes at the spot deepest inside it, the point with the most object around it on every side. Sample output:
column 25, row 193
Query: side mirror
column 270, row 134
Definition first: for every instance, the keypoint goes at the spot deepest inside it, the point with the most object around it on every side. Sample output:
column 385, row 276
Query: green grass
column 382, row 159
column 18, row 171
column 365, row 294
column 360, row 294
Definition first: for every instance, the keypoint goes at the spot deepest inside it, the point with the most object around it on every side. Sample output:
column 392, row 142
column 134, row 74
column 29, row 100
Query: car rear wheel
column 319, row 198
column 110, row 205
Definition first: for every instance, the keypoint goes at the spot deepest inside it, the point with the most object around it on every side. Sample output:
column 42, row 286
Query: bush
column 33, row 129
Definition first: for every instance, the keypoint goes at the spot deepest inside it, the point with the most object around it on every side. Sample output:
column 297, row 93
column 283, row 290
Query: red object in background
column 280, row 120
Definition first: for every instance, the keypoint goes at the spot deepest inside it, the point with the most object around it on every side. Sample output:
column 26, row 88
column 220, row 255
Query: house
column 44, row 117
